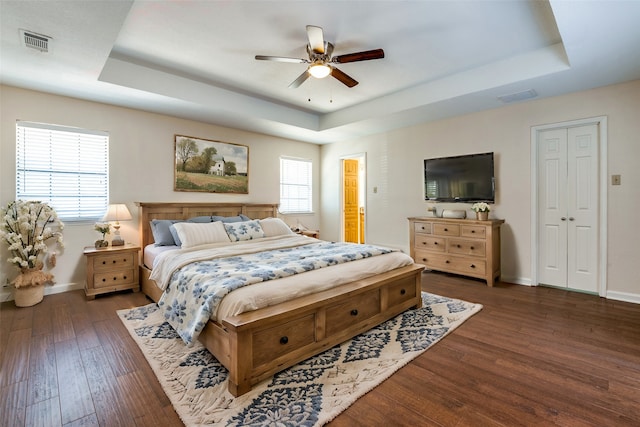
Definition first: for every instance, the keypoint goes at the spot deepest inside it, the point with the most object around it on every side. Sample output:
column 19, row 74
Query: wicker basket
column 28, row 295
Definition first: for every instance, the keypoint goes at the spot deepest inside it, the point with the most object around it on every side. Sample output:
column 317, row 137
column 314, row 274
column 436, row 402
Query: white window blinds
column 65, row 167
column 295, row 185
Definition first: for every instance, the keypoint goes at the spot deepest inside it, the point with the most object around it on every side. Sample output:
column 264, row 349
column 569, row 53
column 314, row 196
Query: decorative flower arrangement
column 102, row 227
column 480, row 207
column 27, row 226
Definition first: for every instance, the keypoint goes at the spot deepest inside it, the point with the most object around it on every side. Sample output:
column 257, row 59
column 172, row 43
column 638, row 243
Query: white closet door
column 582, row 196
column 552, row 205
column 568, row 207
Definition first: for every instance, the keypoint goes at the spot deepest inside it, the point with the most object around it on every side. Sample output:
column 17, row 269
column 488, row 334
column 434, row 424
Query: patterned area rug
column 310, row 393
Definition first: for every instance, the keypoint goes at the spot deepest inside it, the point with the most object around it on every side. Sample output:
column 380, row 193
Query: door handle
column 564, row 218
column 571, row 218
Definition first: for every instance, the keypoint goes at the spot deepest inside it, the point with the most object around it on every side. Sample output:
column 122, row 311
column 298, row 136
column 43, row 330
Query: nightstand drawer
column 115, row 278
column 115, row 261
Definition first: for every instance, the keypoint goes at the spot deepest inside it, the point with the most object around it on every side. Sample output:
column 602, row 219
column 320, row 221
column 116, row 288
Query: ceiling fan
column 320, row 60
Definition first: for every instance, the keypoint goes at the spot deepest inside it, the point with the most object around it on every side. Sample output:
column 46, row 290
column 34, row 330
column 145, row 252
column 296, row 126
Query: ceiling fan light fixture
column 319, row 70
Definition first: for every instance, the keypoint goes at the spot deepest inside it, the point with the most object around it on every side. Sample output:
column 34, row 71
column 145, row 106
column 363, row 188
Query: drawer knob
column 124, row 277
column 424, row 259
column 284, row 340
column 473, row 231
column 471, row 248
column 473, row 266
column 104, row 280
column 354, row 312
column 403, row 291
column 115, row 278
column 458, row 245
column 104, row 262
column 446, row 229
column 435, row 243
column 447, row 261
column 424, row 243
column 114, row 261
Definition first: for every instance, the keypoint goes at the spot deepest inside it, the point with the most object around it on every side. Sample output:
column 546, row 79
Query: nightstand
column 111, row 269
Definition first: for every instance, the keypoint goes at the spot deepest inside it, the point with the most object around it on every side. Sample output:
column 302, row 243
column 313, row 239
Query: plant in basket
column 27, row 228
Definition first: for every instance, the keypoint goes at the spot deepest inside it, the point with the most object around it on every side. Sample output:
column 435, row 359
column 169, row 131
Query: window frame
column 58, row 165
column 290, row 207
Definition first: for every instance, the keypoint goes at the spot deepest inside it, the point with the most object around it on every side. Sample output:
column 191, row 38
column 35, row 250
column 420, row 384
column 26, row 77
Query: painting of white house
column 210, row 166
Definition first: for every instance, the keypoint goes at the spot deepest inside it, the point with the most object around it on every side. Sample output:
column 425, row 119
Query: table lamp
column 117, row 213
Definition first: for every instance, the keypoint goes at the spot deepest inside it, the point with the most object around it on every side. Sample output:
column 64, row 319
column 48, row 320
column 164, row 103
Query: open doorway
column 353, row 198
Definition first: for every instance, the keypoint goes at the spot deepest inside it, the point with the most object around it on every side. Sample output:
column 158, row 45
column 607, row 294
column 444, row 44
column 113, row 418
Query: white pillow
column 195, row 234
column 245, row 230
column 274, row 227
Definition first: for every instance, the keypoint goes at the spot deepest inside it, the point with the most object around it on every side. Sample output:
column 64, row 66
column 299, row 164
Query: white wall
column 395, row 167
column 141, row 165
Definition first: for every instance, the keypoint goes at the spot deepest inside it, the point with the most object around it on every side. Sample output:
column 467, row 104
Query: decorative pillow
column 174, row 234
column 246, row 230
column 274, row 227
column 195, row 234
column 161, row 233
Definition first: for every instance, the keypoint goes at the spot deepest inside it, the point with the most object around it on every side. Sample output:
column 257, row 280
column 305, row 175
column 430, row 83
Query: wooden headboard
column 149, row 211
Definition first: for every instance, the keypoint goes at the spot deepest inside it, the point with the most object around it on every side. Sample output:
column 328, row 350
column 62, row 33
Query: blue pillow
column 161, row 231
column 228, row 219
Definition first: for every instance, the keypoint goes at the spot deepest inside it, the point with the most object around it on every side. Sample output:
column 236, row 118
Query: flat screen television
column 467, row 178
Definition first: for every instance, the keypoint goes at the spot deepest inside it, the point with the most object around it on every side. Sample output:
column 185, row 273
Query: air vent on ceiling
column 35, row 41
column 518, row 96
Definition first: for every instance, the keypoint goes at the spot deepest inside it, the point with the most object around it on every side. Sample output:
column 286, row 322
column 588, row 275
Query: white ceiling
column 195, row 59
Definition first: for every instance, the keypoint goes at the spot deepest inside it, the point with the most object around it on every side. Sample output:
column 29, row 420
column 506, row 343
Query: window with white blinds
column 68, row 168
column 295, row 185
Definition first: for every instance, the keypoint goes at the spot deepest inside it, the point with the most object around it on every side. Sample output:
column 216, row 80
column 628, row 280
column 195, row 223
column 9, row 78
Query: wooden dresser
column 462, row 246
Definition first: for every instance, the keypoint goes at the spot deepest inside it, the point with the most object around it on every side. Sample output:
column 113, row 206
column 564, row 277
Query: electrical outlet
column 616, row 180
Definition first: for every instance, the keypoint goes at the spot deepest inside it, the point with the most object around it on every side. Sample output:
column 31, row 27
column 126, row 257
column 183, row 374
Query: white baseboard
column 516, row 280
column 624, row 296
column 6, row 294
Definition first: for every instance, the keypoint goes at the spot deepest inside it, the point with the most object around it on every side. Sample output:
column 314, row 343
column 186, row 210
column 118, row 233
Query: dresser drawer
column 428, row 242
column 112, row 262
column 354, row 310
column 446, row 229
column 456, row 264
column 473, row 231
column 401, row 292
column 272, row 343
column 113, row 278
column 467, row 247
column 422, row 227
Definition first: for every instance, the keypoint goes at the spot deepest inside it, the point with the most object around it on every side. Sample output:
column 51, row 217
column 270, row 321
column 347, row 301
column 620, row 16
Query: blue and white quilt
column 194, row 291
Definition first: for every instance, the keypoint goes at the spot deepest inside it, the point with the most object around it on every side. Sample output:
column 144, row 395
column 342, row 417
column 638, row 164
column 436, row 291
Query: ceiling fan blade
column 359, row 56
column 316, row 39
column 281, row 59
column 301, row 79
column 347, row 80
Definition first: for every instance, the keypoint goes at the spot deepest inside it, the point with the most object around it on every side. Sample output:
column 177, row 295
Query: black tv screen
column 467, row 178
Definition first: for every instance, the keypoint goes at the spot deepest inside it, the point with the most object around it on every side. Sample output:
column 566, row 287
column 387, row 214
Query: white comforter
column 273, row 292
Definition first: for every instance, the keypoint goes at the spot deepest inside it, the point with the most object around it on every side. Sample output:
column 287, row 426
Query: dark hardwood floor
column 532, row 356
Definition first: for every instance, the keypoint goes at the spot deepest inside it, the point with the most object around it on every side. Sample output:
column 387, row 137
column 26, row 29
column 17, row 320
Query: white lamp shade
column 117, row 212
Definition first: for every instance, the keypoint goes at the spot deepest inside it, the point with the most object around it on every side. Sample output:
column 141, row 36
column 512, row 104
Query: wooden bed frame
column 255, row 345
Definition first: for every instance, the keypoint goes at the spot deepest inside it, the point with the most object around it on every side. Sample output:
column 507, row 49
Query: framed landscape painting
column 210, row 166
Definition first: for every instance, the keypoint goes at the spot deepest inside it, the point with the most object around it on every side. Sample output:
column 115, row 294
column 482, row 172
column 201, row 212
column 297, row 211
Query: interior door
column 568, row 207
column 350, row 191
